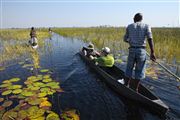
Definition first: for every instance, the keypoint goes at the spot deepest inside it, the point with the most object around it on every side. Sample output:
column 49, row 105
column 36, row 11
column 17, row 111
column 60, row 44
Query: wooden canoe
column 145, row 97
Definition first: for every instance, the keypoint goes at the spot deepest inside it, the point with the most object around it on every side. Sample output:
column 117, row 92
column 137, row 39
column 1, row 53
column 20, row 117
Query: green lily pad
column 47, row 80
column 46, row 76
column 38, row 84
column 6, row 81
column 14, row 79
column 39, row 118
column 10, row 115
column 35, row 112
column 52, row 116
column 35, row 101
column 35, row 88
column 5, row 85
column 27, row 93
column 22, row 114
column 31, row 78
column 15, row 87
column 45, row 104
column 17, row 91
column 1, row 99
column 44, row 70
column 42, row 94
column 7, row 103
column 27, row 65
column 45, row 89
column 7, row 92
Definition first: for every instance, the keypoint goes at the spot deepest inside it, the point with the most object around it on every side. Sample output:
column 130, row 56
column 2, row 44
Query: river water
column 83, row 89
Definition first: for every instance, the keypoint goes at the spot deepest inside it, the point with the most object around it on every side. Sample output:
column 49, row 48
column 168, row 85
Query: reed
column 165, row 39
column 14, row 43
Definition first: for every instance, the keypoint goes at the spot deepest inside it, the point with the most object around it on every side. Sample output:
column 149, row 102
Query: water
column 84, row 90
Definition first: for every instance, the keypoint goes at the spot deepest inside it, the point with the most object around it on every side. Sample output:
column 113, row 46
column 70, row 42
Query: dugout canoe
column 145, row 97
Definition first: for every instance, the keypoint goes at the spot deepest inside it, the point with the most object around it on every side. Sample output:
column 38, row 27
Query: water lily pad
column 46, row 76
column 6, row 81
column 47, row 80
column 1, row 108
column 54, row 85
column 45, row 104
column 5, row 85
column 44, row 70
column 35, row 88
column 22, row 114
column 42, row 94
column 15, row 87
column 27, row 93
column 70, row 115
column 31, row 77
column 1, row 99
column 35, row 112
column 38, row 84
column 14, row 79
column 17, row 91
column 9, row 115
column 52, row 116
column 35, row 101
column 45, row 89
column 7, row 103
column 7, row 92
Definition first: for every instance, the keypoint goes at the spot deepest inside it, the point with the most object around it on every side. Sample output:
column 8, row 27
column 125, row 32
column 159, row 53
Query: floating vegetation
column 7, row 104
column 5, row 85
column 33, row 98
column 53, row 116
column 70, row 115
column 1, row 99
column 7, row 92
column 14, row 87
column 14, row 79
column 17, row 91
column 44, row 70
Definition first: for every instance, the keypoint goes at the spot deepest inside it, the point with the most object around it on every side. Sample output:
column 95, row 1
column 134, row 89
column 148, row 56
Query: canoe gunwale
column 121, row 89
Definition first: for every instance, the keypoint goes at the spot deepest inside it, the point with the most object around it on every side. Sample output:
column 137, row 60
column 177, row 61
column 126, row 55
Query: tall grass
column 14, row 43
column 166, row 39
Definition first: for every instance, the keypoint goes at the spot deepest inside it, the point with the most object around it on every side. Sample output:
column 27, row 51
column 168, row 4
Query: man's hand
column 152, row 57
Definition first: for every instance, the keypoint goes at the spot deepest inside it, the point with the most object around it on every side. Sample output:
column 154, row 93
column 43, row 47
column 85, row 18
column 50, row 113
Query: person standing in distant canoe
column 33, row 36
column 136, row 34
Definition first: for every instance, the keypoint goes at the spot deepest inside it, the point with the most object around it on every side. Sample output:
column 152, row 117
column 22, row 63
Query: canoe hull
column 150, row 101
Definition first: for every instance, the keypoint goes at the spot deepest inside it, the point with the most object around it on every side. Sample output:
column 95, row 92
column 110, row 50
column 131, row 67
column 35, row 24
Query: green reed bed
column 165, row 39
column 14, row 42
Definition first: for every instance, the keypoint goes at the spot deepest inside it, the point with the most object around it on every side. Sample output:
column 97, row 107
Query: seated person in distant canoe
column 105, row 60
column 89, row 51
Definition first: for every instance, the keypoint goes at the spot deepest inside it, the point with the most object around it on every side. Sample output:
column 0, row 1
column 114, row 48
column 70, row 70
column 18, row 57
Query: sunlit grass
column 14, row 42
column 166, row 39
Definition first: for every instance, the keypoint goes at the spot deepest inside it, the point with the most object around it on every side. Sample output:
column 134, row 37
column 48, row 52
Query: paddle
column 171, row 73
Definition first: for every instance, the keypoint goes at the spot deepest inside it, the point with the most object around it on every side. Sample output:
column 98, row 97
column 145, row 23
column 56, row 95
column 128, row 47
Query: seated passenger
column 89, row 51
column 106, row 60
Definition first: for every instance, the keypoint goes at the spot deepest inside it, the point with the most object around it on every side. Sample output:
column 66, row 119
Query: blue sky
column 84, row 13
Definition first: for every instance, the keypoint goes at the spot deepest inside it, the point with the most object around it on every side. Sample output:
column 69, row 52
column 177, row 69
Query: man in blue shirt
column 136, row 34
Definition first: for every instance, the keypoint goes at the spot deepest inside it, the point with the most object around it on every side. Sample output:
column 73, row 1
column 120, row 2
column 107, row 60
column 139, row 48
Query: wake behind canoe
column 112, row 75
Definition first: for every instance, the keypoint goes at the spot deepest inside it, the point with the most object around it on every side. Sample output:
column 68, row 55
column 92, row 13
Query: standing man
column 136, row 34
column 33, row 36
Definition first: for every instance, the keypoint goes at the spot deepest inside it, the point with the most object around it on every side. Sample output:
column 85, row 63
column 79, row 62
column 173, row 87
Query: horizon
column 88, row 13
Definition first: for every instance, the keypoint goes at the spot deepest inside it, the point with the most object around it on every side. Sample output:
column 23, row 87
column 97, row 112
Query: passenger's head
column 32, row 28
column 138, row 17
column 106, row 50
column 90, row 46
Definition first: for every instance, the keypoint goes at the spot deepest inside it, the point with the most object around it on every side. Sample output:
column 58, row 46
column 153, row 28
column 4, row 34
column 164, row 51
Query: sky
column 87, row 13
